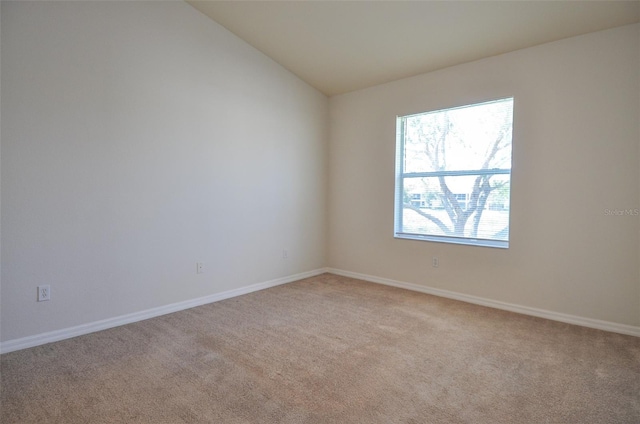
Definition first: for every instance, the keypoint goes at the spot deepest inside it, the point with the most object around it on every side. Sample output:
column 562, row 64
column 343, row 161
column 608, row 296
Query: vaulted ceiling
column 341, row 46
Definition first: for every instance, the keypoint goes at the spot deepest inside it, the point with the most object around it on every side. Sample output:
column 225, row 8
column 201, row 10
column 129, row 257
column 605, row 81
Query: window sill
column 454, row 240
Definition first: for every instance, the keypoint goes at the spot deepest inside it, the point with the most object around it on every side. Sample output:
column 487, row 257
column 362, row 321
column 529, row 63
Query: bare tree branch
column 430, row 217
column 495, row 148
column 481, row 203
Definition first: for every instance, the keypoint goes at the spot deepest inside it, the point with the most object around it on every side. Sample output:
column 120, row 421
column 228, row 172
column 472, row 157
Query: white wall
column 140, row 137
column 137, row 139
column 575, row 154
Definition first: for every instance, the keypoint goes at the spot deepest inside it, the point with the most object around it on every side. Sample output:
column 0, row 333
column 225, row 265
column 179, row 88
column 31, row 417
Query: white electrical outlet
column 199, row 267
column 435, row 262
column 44, row 293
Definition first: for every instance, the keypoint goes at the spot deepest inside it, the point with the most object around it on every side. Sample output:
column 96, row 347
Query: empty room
column 320, row 212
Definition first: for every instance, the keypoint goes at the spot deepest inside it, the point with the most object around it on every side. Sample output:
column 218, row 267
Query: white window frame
column 399, row 189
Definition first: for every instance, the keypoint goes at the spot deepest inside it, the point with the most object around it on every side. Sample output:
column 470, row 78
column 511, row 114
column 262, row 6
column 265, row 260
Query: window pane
column 465, row 138
column 460, row 206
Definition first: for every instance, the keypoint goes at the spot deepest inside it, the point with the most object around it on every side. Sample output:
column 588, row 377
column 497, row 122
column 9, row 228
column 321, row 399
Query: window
column 453, row 174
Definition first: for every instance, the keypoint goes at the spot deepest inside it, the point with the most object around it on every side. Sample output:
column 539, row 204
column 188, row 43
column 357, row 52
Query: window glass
column 453, row 179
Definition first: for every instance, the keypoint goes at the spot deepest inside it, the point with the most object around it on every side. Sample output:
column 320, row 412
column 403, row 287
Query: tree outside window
column 453, row 174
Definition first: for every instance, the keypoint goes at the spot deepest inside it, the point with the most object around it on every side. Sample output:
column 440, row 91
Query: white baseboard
column 613, row 327
column 79, row 330
column 54, row 336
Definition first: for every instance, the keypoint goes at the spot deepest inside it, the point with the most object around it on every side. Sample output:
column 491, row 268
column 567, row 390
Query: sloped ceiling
column 341, row 46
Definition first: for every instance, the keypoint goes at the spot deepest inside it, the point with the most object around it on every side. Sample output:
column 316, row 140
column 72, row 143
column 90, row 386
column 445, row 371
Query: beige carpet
column 329, row 349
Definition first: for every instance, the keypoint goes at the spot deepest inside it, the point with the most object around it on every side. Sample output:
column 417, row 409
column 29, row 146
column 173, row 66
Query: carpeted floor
column 329, row 349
